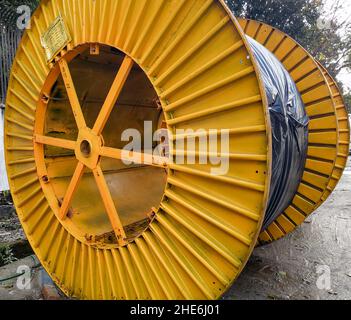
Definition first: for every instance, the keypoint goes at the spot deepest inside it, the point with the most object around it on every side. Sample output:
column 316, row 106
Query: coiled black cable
column 289, row 123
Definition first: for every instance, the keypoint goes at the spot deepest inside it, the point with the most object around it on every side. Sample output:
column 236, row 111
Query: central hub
column 85, row 148
column 88, row 148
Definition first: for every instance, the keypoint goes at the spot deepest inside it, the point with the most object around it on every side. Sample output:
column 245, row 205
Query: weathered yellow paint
column 343, row 146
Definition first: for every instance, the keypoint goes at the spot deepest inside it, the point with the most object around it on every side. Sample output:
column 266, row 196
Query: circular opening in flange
column 85, row 148
column 136, row 188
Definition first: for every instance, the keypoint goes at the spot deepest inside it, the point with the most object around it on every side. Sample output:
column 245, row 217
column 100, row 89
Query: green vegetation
column 6, row 255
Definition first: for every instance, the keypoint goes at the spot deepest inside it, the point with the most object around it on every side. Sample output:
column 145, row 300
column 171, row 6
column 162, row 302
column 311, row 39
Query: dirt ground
column 314, row 262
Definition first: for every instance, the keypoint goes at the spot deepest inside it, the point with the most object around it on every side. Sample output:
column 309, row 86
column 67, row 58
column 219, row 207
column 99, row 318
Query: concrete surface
column 314, row 262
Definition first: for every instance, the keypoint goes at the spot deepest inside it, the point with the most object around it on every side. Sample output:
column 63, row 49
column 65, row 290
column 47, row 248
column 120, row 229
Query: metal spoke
column 136, row 157
column 113, row 95
column 109, row 205
column 72, row 94
column 72, row 188
column 55, row 142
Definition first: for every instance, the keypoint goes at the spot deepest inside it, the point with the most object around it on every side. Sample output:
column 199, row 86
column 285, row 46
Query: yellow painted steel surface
column 343, row 131
column 74, row 197
column 328, row 130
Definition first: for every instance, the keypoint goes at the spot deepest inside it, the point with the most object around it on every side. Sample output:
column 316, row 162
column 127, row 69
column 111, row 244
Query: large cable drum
column 329, row 132
column 101, row 229
column 108, row 224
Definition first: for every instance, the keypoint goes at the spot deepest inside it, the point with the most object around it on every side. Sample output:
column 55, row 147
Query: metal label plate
column 55, row 38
